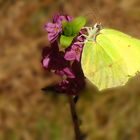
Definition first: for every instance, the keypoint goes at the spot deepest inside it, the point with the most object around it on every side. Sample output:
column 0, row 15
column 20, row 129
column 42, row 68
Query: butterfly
column 109, row 57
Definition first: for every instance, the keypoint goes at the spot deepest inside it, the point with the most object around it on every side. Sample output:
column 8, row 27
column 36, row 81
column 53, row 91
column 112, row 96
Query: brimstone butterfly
column 109, row 57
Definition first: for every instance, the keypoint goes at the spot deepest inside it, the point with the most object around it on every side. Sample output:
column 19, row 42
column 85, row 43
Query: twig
column 78, row 134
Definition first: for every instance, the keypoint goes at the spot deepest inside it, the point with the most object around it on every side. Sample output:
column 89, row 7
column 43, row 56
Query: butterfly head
column 97, row 27
column 92, row 32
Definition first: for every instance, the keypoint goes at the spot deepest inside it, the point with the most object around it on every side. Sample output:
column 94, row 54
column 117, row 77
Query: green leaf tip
column 65, row 41
column 77, row 24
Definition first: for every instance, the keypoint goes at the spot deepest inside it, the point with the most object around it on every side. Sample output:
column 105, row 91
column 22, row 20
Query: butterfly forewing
column 111, row 59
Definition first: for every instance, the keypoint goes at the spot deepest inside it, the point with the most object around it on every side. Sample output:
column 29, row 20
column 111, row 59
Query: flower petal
column 51, row 25
column 78, row 57
column 46, row 62
column 68, row 73
column 70, row 55
column 51, row 37
column 59, row 18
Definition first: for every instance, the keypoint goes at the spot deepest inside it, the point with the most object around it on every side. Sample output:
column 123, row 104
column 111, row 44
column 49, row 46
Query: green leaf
column 72, row 28
column 65, row 41
column 67, row 28
column 77, row 24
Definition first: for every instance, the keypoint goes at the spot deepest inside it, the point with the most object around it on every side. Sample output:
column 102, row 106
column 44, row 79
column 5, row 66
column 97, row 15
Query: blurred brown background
column 25, row 112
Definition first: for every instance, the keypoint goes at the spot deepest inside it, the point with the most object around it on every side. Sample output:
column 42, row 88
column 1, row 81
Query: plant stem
column 78, row 134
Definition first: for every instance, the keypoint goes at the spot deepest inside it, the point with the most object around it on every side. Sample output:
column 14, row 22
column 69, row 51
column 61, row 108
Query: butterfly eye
column 98, row 26
column 95, row 25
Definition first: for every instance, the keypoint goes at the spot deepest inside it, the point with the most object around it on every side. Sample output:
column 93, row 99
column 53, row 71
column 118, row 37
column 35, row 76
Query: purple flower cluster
column 54, row 29
column 64, row 62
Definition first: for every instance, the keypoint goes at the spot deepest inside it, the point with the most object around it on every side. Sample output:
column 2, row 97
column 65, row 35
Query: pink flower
column 54, row 29
column 66, row 72
column 74, row 53
column 59, row 18
column 53, row 59
column 65, row 63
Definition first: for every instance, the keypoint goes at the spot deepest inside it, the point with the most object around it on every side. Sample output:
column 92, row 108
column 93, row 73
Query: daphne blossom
column 54, row 29
column 64, row 62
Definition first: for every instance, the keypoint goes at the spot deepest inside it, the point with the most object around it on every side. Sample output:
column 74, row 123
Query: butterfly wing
column 111, row 60
column 127, row 46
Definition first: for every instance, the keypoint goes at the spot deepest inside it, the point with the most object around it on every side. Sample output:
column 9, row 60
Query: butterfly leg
column 89, row 29
column 83, row 35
